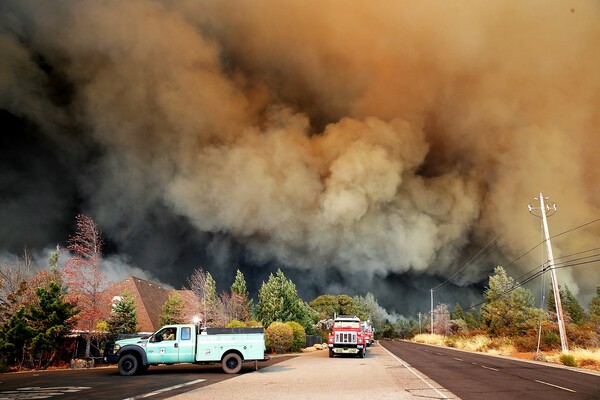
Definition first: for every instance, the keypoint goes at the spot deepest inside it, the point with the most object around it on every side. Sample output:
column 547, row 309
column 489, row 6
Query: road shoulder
column 379, row 375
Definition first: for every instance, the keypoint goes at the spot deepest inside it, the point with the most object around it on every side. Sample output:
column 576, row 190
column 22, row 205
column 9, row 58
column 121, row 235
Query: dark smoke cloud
column 361, row 148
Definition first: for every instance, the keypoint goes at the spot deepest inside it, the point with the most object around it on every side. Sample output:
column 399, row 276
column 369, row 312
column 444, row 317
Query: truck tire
column 361, row 353
column 232, row 363
column 128, row 365
column 331, row 353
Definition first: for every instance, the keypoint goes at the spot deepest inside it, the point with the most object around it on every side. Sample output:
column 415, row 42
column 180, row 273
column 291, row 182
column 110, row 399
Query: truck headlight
column 117, row 348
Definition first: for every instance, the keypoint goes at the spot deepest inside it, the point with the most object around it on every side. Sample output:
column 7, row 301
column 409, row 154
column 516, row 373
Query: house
column 149, row 299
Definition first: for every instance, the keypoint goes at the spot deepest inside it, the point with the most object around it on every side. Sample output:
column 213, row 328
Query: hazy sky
column 358, row 147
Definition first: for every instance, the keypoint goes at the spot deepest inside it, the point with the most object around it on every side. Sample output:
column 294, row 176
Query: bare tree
column 204, row 287
column 13, row 283
column 84, row 278
column 441, row 321
column 236, row 307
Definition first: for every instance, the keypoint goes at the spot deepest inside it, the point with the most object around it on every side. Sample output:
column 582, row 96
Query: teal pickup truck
column 173, row 344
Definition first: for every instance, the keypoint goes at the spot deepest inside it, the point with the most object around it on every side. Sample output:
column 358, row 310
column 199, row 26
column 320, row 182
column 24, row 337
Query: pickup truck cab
column 173, row 344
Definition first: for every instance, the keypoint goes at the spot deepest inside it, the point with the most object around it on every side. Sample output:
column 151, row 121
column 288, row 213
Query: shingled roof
column 149, row 299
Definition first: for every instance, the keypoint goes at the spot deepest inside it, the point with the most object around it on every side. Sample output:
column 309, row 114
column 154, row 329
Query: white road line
column 439, row 354
column 556, row 386
column 143, row 396
column 458, row 359
column 493, row 369
column 415, row 374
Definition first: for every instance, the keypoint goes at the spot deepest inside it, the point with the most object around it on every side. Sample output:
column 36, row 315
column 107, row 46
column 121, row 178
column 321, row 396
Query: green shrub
column 568, row 360
column 299, row 335
column 525, row 343
column 550, row 341
column 280, row 337
column 236, row 324
column 253, row 323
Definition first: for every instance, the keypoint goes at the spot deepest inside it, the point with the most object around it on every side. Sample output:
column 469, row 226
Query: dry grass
column 429, row 338
column 583, row 358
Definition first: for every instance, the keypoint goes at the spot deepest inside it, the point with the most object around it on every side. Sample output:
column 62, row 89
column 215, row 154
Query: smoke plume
column 361, row 147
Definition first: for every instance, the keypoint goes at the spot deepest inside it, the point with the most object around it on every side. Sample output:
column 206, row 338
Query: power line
column 467, row 264
column 552, row 237
column 575, row 254
column 577, row 227
column 519, row 284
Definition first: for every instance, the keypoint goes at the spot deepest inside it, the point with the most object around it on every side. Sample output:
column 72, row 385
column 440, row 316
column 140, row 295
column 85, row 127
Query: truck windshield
column 346, row 324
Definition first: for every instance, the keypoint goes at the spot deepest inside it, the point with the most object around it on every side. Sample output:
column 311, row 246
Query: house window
column 186, row 333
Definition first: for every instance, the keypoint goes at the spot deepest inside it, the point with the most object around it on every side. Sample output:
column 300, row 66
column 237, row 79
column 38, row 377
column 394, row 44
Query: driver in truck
column 169, row 334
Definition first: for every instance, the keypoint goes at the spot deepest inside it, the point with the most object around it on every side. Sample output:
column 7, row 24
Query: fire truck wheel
column 232, row 363
column 361, row 353
column 330, row 353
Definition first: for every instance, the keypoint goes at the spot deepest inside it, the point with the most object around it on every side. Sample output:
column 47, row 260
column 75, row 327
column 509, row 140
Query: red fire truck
column 347, row 337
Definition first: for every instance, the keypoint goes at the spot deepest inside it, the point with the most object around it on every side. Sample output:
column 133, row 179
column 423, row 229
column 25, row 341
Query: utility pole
column 420, row 330
column 432, row 311
column 557, row 302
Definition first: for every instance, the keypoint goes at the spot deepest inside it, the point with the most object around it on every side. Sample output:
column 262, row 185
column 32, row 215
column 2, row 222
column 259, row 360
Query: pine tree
column 50, row 320
column 473, row 320
column 172, row 310
column 278, row 300
column 457, row 313
column 509, row 310
column 239, row 304
column 123, row 318
column 572, row 309
column 572, row 306
column 15, row 335
column 595, row 309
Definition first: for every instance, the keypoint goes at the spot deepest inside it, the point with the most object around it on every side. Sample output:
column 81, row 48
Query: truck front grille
column 345, row 337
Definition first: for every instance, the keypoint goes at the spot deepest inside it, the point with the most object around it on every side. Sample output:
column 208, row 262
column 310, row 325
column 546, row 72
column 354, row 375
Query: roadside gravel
column 315, row 376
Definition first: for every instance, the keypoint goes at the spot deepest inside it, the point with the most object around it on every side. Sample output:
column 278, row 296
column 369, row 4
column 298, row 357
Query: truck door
column 163, row 346
column 186, row 345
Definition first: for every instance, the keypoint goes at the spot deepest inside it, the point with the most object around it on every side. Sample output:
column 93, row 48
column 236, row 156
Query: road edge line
column 411, row 369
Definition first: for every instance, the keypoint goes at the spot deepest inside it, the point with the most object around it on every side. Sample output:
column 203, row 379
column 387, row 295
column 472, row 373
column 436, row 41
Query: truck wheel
column 331, row 353
column 232, row 363
column 361, row 353
column 128, row 365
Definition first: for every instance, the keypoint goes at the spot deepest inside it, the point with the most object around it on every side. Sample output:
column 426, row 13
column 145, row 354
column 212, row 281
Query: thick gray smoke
column 375, row 147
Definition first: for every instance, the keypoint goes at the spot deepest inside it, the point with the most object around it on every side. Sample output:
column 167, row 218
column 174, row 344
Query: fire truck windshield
column 347, row 324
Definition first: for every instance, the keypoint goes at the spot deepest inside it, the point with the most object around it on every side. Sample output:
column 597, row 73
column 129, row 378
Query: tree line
column 38, row 310
column 509, row 311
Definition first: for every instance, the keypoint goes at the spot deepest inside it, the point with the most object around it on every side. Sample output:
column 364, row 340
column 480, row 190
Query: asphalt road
column 105, row 383
column 479, row 376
